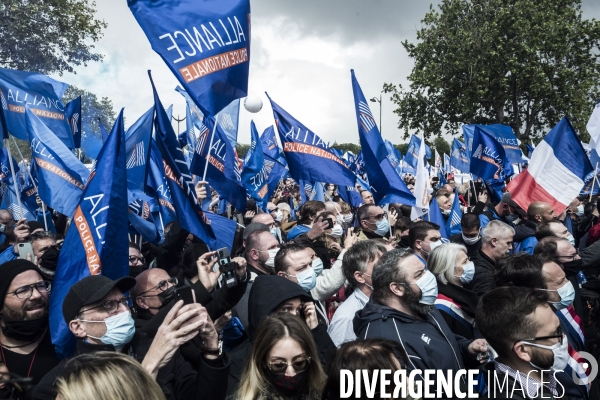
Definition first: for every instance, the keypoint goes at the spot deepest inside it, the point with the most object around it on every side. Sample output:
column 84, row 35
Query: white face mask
column 468, row 273
column 579, row 211
column 271, row 260
column 470, row 241
column 337, row 231
column 278, row 215
column 560, row 351
column 348, row 218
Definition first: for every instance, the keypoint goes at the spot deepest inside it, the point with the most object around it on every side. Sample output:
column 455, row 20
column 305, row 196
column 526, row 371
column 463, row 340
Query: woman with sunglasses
column 284, row 363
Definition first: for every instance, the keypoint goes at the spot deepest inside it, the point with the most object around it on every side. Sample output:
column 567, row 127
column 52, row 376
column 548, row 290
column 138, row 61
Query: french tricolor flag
column 556, row 172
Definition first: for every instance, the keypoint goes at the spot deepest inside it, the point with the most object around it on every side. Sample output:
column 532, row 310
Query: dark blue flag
column 222, row 170
column 350, row 195
column 488, row 158
column 158, row 188
column 386, row 184
column 459, row 157
column 103, row 131
column 412, row 153
column 42, row 94
column 269, row 143
column 453, row 224
column 96, row 242
column 142, row 222
column 224, row 228
column 308, row 157
column 503, row 134
column 73, row 114
column 205, row 43
column 62, row 177
column 435, row 216
column 5, row 174
column 137, row 144
column 255, row 175
column 189, row 214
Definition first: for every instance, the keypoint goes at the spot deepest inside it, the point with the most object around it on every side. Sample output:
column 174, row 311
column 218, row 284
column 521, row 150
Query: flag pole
column 12, row 171
column 212, row 135
column 32, row 181
column 594, row 181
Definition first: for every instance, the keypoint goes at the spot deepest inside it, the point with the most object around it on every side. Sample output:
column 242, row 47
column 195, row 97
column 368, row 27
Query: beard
column 22, row 315
column 411, row 300
column 541, row 359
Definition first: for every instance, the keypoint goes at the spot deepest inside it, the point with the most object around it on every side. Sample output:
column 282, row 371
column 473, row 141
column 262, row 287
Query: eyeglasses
column 25, row 292
column 111, row 305
column 377, row 217
column 559, row 335
column 134, row 259
column 570, row 258
column 299, row 365
column 162, row 285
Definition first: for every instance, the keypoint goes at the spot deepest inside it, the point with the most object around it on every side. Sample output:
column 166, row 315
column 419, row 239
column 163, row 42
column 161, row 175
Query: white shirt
column 341, row 328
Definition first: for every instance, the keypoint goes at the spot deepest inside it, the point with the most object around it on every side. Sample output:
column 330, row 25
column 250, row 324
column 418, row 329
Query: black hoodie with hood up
column 267, row 293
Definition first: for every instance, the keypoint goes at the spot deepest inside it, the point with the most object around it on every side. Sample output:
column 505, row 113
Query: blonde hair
column 106, row 375
column 271, row 330
column 442, row 260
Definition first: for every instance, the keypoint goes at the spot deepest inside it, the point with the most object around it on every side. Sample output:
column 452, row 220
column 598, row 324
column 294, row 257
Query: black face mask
column 25, row 331
column 572, row 267
column 135, row 271
column 50, row 258
column 286, row 385
column 404, row 242
column 166, row 296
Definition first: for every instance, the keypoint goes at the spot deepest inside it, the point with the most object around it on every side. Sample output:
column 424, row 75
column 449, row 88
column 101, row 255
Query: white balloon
column 253, row 104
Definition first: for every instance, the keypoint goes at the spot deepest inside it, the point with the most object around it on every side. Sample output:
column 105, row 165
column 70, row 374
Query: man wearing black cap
column 96, row 312
column 26, row 348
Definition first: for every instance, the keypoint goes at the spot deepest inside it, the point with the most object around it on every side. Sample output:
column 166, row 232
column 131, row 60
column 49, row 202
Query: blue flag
column 96, row 242
column 142, row 222
column 350, row 195
column 488, row 159
column 103, row 131
column 137, row 145
column 205, row 43
column 91, row 145
column 386, row 184
column 453, row 224
column 435, row 216
column 73, row 114
column 394, row 156
column 447, row 164
column 189, row 214
column 269, row 143
column 255, row 175
column 193, row 119
column 158, row 188
column 412, row 153
column 311, row 191
column 62, row 177
column 10, row 203
column 42, row 94
column 503, row 134
column 459, row 158
column 222, row 170
column 309, row 158
column 5, row 174
column 228, row 121
column 224, row 228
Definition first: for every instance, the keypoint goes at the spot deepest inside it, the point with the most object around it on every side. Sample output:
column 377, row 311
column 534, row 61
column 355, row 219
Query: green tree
column 92, row 110
column 242, row 150
column 354, row 148
column 402, row 148
column 48, row 36
column 524, row 63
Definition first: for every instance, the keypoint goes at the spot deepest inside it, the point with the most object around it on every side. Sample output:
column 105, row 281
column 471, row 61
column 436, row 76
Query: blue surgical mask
column 120, row 329
column 571, row 240
column 468, row 273
column 317, row 266
column 307, row 279
column 429, row 288
column 383, row 227
column 567, row 295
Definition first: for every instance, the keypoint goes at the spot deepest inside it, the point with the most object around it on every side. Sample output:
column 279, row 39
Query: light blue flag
column 435, row 216
column 447, row 168
column 412, row 153
column 42, row 94
column 503, row 134
column 228, row 119
column 453, row 224
column 386, row 184
column 255, row 175
column 10, row 203
column 62, row 177
column 224, row 228
column 269, row 143
column 459, row 157
column 137, row 145
column 96, row 242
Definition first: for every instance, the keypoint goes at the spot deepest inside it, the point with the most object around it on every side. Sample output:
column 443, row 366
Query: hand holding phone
column 184, row 293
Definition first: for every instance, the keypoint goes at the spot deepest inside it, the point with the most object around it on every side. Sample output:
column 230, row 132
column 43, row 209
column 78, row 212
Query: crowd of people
column 320, row 287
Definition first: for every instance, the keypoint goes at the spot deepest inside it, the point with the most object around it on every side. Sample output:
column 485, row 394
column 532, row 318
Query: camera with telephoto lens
column 227, row 267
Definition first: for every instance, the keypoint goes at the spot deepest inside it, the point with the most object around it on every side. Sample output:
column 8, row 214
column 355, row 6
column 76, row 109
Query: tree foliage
column 354, row 148
column 242, row 150
column 48, row 36
column 92, row 110
column 524, row 63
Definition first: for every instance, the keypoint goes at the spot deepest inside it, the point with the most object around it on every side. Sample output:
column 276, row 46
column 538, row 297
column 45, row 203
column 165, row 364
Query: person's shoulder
column 45, row 389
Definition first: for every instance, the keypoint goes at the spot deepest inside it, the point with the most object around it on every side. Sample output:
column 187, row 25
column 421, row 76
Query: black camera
column 227, row 267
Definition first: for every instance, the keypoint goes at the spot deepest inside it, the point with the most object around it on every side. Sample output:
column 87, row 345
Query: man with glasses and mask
column 522, row 328
column 572, row 261
column 137, row 262
column 26, row 347
column 470, row 237
column 373, row 222
column 96, row 311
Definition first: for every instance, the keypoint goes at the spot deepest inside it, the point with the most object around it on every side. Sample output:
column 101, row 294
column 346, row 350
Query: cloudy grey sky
column 301, row 54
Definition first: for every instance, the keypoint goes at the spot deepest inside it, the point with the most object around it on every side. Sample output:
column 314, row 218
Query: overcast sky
column 301, row 54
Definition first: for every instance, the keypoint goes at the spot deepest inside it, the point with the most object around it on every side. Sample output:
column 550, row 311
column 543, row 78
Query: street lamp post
column 378, row 100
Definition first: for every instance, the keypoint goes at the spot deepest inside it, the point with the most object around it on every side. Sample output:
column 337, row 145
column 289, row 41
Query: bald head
column 540, row 211
column 333, row 207
column 448, row 187
column 264, row 218
column 148, row 279
column 5, row 217
column 146, row 291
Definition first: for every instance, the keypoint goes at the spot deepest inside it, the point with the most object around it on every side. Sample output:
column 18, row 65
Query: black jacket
column 467, row 300
column 429, row 344
column 525, row 229
column 267, row 293
column 471, row 248
column 178, row 380
column 483, row 280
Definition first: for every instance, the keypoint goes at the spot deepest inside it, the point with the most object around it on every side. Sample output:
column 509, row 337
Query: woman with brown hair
column 284, row 363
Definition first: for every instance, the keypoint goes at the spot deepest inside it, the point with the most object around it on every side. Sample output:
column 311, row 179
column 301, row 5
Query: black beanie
column 9, row 270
